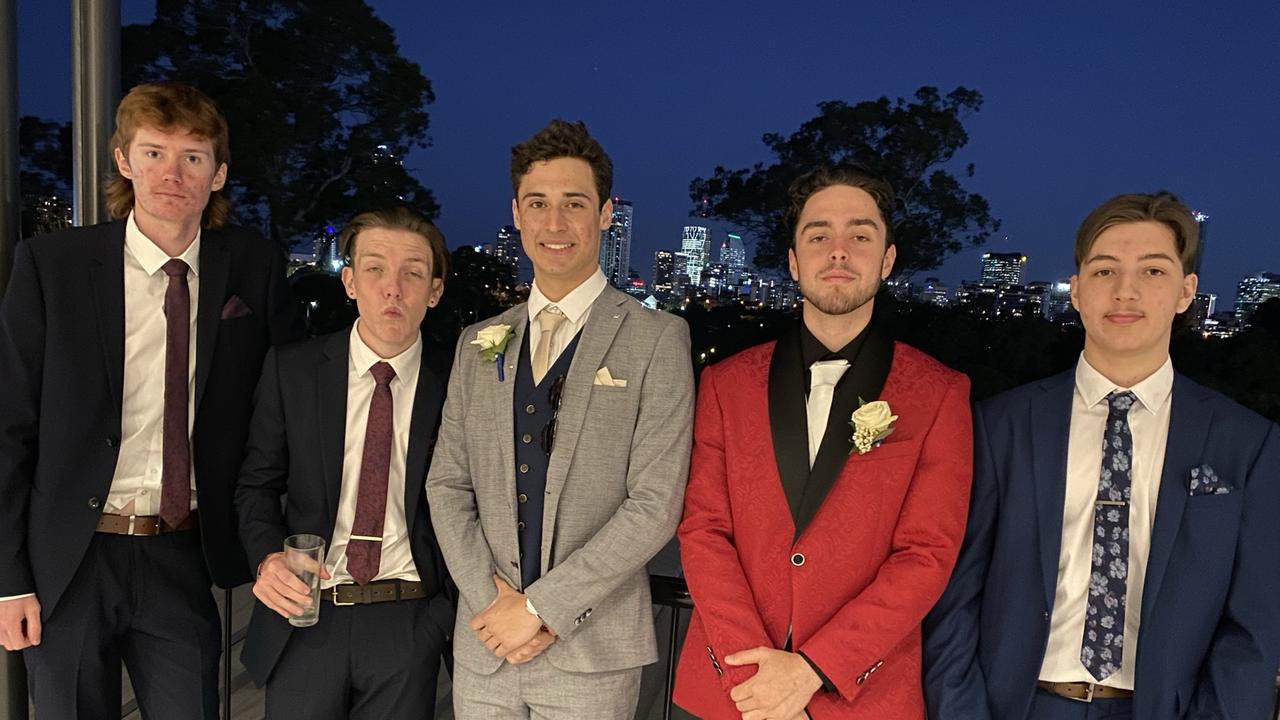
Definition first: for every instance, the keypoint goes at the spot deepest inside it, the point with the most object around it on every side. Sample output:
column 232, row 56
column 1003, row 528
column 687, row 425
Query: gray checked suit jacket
column 615, row 484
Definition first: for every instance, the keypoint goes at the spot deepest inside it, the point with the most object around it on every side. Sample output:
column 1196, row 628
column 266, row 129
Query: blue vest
column 533, row 411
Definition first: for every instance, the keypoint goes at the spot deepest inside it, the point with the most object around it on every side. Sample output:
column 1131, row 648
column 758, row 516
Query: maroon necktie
column 175, row 481
column 364, row 548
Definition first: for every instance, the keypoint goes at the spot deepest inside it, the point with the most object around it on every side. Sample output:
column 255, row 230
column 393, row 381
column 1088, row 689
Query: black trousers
column 145, row 601
column 364, row 662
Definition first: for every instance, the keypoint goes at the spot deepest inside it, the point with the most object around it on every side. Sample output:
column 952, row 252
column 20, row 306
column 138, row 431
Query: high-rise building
column 1253, row 291
column 1003, row 268
column 1202, row 219
column 506, row 244
column 664, row 273
column 328, row 254
column 1058, row 306
column 977, row 298
column 1202, row 307
column 695, row 243
column 733, row 255
column 615, row 245
column 934, row 292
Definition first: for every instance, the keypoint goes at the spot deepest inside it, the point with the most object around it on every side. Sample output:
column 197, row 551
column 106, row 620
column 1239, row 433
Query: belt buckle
column 132, row 520
column 1088, row 693
column 335, row 600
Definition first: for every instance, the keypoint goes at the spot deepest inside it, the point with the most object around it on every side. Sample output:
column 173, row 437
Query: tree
column 44, row 174
column 909, row 142
column 321, row 104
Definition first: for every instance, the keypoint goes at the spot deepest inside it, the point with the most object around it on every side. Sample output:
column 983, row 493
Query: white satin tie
column 549, row 318
column 823, row 376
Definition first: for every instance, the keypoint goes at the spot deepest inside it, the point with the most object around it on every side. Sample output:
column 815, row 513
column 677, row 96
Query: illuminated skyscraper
column 696, row 245
column 733, row 255
column 1253, row 291
column 664, row 273
column 1003, row 268
column 1202, row 220
column 615, row 245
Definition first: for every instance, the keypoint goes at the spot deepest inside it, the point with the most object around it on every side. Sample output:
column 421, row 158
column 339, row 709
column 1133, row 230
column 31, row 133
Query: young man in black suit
column 130, row 351
column 343, row 427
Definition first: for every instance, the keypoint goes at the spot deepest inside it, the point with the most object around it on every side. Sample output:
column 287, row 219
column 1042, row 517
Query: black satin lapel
column 787, row 422
column 864, row 380
column 422, row 435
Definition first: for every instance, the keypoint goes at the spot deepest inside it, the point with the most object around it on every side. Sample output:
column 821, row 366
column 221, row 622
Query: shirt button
column 520, row 525
column 95, row 503
column 523, row 498
column 530, row 409
column 797, row 559
column 524, row 467
column 527, row 438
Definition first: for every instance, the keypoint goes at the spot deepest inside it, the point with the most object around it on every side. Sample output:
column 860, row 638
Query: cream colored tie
column 823, row 376
column 548, row 320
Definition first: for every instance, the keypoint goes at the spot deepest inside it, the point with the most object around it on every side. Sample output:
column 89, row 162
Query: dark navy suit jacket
column 1209, row 641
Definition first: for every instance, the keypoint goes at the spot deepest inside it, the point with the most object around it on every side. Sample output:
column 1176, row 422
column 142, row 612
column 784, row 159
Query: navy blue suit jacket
column 1209, row 641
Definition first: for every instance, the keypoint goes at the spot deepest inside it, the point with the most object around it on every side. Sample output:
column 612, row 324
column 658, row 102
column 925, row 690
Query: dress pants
column 145, row 601
column 541, row 691
column 364, row 662
column 1047, row 706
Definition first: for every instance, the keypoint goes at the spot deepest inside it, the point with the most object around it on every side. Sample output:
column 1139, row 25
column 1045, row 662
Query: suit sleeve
column 656, row 474
column 721, row 594
column 451, row 494
column 22, row 338
column 264, row 474
column 954, row 687
column 1239, row 671
column 924, row 547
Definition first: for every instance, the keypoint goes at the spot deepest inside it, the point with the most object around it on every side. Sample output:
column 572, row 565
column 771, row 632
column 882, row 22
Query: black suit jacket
column 295, row 450
column 62, row 364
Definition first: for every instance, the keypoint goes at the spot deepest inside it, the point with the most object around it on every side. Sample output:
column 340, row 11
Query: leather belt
column 1083, row 691
column 143, row 524
column 375, row 592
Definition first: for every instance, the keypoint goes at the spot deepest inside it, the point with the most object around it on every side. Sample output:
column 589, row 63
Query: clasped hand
column 781, row 687
column 508, row 629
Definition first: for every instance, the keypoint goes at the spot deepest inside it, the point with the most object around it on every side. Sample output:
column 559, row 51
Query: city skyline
column 1075, row 110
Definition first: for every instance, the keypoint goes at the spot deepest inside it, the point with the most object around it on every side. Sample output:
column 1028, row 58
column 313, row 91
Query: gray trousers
column 538, row 690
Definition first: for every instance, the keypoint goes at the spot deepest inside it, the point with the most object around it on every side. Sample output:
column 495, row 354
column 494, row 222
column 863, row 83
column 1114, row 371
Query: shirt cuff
column 827, row 685
column 17, row 597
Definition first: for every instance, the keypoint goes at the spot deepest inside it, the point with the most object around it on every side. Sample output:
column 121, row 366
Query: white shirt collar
column 1152, row 392
column 575, row 304
column 150, row 256
column 363, row 357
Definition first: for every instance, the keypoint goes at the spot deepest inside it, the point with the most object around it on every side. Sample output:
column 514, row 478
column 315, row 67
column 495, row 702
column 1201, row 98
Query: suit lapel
column 607, row 315
column 331, row 391
column 1188, row 428
column 866, row 381
column 422, row 426
column 787, row 421
column 1050, row 419
column 106, row 281
column 215, row 265
column 502, row 395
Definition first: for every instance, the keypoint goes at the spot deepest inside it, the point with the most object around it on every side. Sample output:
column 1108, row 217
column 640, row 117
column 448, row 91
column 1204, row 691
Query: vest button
column 797, row 559
column 527, row 438
column 530, row 409
column 524, row 467
column 522, row 498
column 520, row 525
column 94, row 503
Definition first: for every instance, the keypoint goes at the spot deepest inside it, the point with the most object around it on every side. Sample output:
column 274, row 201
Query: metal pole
column 10, row 200
column 226, row 655
column 13, row 673
column 95, row 79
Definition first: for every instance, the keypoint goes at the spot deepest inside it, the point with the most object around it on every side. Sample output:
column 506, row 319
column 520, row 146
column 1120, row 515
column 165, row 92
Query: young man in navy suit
column 130, row 351
column 1122, row 558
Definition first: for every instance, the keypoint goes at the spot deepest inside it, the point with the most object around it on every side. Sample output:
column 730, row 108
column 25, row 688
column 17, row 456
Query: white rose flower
column 491, row 336
column 874, row 416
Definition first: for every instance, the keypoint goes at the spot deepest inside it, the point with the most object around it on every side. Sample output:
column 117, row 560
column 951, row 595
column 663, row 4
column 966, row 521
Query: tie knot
column 383, row 373
column 827, row 373
column 1121, row 401
column 550, row 318
column 175, row 268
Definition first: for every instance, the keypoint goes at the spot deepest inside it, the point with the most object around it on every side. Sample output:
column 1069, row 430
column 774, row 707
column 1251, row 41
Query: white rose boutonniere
column 493, row 344
column 872, row 422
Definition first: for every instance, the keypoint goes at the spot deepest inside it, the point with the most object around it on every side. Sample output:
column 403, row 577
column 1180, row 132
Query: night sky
column 1081, row 103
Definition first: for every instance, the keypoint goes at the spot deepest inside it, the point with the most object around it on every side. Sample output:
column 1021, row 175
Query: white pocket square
column 603, row 377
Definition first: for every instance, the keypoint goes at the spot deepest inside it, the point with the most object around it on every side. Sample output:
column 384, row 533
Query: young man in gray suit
column 561, row 461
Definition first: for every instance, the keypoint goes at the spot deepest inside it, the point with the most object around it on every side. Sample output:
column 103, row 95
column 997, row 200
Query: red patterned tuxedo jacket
column 871, row 558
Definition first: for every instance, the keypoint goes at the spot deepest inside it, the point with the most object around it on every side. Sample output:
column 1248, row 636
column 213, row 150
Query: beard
column 840, row 301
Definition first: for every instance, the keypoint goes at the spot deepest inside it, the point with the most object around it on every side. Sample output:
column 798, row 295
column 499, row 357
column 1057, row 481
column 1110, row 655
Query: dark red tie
column 175, row 480
column 364, row 548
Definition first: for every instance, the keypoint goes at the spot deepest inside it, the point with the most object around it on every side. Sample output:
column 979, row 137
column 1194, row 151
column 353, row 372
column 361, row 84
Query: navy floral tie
column 1103, row 646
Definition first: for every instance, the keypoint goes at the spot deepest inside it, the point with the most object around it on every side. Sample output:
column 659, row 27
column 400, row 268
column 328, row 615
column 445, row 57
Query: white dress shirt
column 575, row 307
column 141, row 459
column 396, row 561
column 1149, row 426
